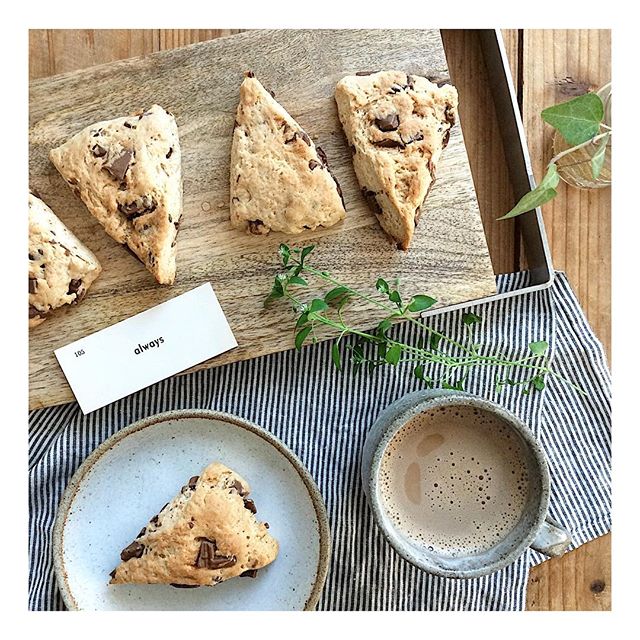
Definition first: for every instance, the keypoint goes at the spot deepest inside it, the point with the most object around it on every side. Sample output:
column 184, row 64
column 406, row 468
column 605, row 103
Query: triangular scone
column 280, row 180
column 127, row 172
column 208, row 533
column 61, row 268
column 397, row 126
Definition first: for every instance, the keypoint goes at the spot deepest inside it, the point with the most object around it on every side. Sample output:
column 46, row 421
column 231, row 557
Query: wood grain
column 580, row 580
column 449, row 258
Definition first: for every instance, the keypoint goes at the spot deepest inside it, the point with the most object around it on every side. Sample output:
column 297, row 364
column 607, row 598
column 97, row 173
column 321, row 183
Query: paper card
column 144, row 349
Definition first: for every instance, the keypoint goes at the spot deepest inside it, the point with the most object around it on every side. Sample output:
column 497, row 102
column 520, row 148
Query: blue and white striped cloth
column 323, row 415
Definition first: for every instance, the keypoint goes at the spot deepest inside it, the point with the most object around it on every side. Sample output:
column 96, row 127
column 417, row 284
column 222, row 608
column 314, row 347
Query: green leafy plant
column 378, row 347
column 580, row 123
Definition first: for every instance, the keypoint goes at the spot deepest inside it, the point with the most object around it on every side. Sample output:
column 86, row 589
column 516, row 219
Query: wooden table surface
column 547, row 66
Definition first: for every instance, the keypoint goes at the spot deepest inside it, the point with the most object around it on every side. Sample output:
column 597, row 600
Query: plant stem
column 566, row 152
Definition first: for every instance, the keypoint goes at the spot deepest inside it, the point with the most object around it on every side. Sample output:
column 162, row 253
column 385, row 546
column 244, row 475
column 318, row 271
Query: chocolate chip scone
column 280, row 180
column 61, row 268
column 207, row 534
column 128, row 173
column 397, row 126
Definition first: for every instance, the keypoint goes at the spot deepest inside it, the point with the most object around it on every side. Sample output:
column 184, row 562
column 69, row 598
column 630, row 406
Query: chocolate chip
column 370, row 197
column 390, row 122
column 250, row 505
column 305, row 137
column 98, row 151
column 266, row 525
column 208, row 559
column 249, row 74
column 184, row 586
column 192, row 482
column 257, row 227
column 31, row 257
column 139, row 207
column 249, row 573
column 449, row 114
column 74, row 285
column 313, row 164
column 410, row 81
column 365, row 73
column 41, row 252
column 113, row 574
column 34, row 313
column 169, row 153
column 235, row 125
column 396, row 88
column 389, row 143
column 190, row 525
column 142, row 532
column 292, row 138
column 134, row 550
column 273, row 93
column 239, row 487
column 70, row 181
column 445, row 138
column 33, row 285
column 322, row 155
column 338, row 189
column 129, row 125
column 118, row 167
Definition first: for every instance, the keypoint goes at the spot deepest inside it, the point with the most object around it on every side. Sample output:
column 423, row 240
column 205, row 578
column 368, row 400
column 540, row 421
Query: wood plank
column 199, row 84
column 578, row 225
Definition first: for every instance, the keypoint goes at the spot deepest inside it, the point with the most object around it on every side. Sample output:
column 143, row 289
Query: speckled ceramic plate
column 128, row 478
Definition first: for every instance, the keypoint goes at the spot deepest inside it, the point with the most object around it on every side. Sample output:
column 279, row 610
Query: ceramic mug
column 534, row 529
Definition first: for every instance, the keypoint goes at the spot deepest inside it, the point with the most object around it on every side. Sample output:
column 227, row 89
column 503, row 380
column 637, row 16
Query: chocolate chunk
column 129, row 125
column 338, row 189
column 33, row 285
column 249, row 573
column 142, row 532
column 235, row 125
column 249, row 74
column 257, row 227
column 445, row 138
column 365, row 73
column 192, row 482
column 410, row 81
column 118, row 167
column 250, row 505
column 134, row 550
column 292, row 138
column 396, row 88
column 322, row 155
column 74, row 285
column 370, row 197
column 139, row 207
column 70, row 181
column 113, row 574
column 389, row 143
column 169, row 153
column 184, row 586
column 266, row 525
column 313, row 164
column 34, row 313
column 239, row 487
column 98, row 151
column 390, row 122
column 41, row 252
column 305, row 137
column 449, row 114
column 208, row 559
column 273, row 93
column 31, row 257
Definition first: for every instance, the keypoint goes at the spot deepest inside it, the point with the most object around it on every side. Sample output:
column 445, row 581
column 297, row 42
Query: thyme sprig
column 373, row 349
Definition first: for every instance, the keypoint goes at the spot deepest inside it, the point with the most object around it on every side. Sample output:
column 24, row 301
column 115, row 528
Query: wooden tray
column 449, row 259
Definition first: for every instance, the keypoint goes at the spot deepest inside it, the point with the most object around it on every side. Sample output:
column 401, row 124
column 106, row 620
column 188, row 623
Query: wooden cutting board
column 448, row 260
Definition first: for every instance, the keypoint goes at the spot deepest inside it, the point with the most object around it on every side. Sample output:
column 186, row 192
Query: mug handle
column 552, row 539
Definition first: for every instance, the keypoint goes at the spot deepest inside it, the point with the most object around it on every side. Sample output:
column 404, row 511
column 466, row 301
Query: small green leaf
column 382, row 286
column 335, row 293
column 302, row 320
column 335, row 355
column 285, row 254
column 382, row 350
column 301, row 336
column 306, row 251
column 420, row 303
column 434, row 341
column 299, row 281
column 471, row 318
column 538, row 348
column 317, row 305
column 418, row 372
column 538, row 383
column 597, row 161
column 577, row 120
column 544, row 192
column 383, row 327
column 394, row 296
column 456, row 387
column 393, row 354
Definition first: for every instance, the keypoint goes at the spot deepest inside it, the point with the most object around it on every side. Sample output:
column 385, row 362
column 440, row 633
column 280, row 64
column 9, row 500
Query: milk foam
column 454, row 479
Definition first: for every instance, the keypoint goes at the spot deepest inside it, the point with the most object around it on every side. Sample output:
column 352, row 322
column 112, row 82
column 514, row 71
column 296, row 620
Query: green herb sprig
column 581, row 123
column 378, row 348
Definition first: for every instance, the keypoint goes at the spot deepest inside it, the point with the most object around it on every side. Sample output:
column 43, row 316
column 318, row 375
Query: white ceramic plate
column 128, row 478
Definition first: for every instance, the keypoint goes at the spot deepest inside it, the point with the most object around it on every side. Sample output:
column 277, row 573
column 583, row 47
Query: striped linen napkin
column 323, row 416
